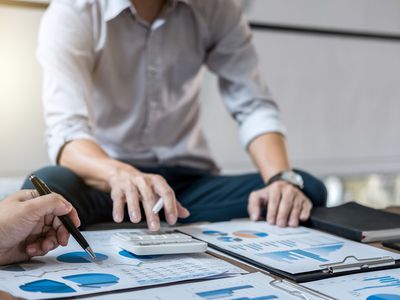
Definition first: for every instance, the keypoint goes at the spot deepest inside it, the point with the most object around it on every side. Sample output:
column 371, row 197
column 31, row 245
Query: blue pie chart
column 93, row 280
column 46, row 286
column 214, row 233
column 80, row 257
column 228, row 239
column 250, row 234
column 128, row 254
column 384, row 297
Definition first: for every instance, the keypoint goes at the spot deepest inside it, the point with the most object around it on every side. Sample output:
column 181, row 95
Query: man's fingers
column 34, row 236
column 182, row 211
column 295, row 213
column 306, row 210
column 73, row 215
column 132, row 199
column 62, row 236
column 35, row 249
column 285, row 205
column 50, row 241
column 274, row 197
column 25, row 195
column 52, row 204
column 148, row 201
column 62, row 233
column 49, row 206
column 118, row 205
column 43, row 245
column 254, row 206
column 153, row 221
column 162, row 189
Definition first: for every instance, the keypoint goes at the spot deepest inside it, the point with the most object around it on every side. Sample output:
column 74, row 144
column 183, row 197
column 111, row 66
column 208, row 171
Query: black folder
column 356, row 222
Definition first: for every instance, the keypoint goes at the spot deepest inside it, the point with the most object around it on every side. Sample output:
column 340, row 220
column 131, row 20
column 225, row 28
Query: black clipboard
column 349, row 265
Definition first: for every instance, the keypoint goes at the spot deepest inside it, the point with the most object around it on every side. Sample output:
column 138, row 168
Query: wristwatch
column 288, row 176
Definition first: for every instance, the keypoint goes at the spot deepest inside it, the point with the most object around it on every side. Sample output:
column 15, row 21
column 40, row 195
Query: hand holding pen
column 43, row 189
column 30, row 227
column 134, row 189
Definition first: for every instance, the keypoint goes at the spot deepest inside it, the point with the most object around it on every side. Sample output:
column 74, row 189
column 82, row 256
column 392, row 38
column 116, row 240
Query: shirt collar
column 114, row 7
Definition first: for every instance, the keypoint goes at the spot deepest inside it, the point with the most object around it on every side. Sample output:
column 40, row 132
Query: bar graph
column 380, row 282
column 384, row 297
column 214, row 233
column 228, row 239
column 250, row 234
column 226, row 293
column 374, row 285
column 290, row 256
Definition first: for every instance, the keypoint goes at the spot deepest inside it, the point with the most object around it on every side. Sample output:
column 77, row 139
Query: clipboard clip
column 352, row 263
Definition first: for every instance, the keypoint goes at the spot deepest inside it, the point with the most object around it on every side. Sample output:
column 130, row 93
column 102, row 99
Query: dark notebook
column 356, row 222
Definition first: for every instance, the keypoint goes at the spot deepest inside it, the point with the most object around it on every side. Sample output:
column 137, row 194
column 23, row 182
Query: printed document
column 293, row 250
column 68, row 271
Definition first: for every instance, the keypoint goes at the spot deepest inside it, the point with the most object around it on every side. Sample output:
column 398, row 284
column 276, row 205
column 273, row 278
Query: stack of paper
column 70, row 272
column 292, row 250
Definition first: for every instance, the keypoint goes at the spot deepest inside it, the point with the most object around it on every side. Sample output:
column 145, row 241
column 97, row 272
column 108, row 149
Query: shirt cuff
column 56, row 143
column 260, row 122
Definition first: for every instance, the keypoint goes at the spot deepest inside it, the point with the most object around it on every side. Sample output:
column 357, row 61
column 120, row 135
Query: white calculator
column 147, row 243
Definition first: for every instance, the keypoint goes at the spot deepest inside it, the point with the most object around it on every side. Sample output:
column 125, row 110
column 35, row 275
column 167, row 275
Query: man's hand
column 285, row 204
column 29, row 227
column 132, row 187
column 126, row 184
column 7, row 296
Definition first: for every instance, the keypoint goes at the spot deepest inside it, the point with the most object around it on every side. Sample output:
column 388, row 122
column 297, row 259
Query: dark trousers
column 208, row 197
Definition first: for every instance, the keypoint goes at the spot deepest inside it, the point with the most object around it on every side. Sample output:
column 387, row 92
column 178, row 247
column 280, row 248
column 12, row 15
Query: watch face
column 293, row 178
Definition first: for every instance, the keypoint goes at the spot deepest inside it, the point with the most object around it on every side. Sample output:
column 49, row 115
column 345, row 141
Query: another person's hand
column 134, row 188
column 7, row 296
column 29, row 227
column 285, row 204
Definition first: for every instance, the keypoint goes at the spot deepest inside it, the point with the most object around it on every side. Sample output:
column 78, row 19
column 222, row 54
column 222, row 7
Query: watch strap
column 279, row 177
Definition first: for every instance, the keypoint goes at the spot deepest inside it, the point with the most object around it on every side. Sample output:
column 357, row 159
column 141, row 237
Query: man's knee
column 59, row 179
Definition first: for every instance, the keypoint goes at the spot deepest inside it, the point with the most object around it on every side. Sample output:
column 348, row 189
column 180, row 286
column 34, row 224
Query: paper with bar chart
column 293, row 250
column 254, row 286
column 68, row 271
column 380, row 285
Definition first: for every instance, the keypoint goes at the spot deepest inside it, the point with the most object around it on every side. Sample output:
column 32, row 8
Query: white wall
column 362, row 15
column 339, row 96
column 21, row 124
column 355, row 82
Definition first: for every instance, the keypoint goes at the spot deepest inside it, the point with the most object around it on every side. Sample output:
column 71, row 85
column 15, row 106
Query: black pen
column 43, row 189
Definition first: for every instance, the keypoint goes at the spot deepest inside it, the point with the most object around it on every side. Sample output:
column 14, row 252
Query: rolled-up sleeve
column 65, row 52
column 232, row 57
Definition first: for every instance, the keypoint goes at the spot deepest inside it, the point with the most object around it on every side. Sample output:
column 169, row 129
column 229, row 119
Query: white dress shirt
column 133, row 87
